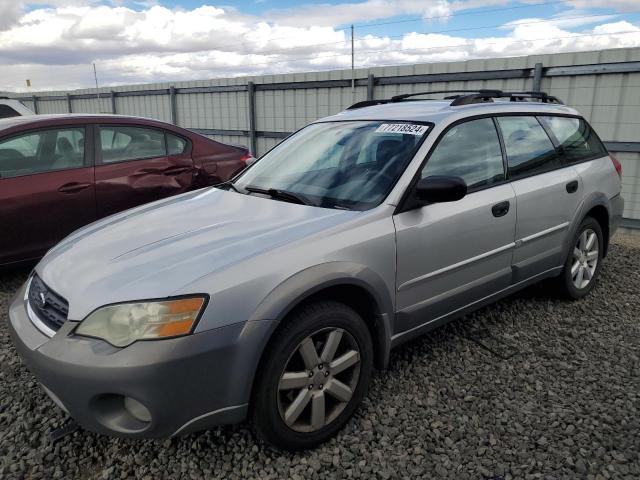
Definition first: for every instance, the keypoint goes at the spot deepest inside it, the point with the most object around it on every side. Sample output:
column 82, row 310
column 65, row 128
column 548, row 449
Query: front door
column 46, row 190
column 450, row 255
column 133, row 167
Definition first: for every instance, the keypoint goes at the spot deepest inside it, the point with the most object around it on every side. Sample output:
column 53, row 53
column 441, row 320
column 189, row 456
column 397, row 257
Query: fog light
column 137, row 409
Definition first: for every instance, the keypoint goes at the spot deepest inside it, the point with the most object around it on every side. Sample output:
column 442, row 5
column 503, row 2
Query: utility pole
column 353, row 71
column 95, row 77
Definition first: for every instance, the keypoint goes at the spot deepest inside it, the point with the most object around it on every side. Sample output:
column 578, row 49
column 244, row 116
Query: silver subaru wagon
column 273, row 296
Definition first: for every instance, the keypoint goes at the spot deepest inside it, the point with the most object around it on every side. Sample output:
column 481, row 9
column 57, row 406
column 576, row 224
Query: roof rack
column 466, row 97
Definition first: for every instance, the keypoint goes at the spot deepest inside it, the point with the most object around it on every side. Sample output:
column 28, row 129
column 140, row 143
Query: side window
column 528, row 147
column 175, row 144
column 119, row 144
column 43, row 151
column 6, row 111
column 470, row 150
column 69, row 148
column 576, row 138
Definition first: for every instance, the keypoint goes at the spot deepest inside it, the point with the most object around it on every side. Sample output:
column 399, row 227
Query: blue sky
column 497, row 14
column 54, row 42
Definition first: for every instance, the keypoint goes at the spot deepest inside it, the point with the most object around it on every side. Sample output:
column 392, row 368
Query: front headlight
column 123, row 324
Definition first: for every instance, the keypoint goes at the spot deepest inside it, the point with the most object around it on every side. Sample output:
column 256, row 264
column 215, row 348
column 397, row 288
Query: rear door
column 548, row 193
column 46, row 189
column 133, row 166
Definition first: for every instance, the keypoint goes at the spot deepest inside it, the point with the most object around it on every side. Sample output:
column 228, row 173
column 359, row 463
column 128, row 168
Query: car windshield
column 351, row 165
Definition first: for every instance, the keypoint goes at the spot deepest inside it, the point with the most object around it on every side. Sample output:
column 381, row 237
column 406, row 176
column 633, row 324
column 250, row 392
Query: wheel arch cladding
column 601, row 215
column 357, row 286
column 596, row 205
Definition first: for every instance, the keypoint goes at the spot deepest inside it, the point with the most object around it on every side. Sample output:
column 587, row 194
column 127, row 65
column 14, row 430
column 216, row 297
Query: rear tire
column 313, row 376
column 584, row 261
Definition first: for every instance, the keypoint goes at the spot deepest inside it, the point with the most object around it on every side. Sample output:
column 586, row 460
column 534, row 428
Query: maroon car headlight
column 124, row 323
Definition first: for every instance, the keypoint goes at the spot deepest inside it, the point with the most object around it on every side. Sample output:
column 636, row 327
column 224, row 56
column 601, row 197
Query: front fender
column 289, row 293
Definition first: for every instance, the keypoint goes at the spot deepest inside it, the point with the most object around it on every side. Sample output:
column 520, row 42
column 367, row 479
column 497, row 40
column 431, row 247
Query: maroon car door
column 134, row 167
column 46, row 189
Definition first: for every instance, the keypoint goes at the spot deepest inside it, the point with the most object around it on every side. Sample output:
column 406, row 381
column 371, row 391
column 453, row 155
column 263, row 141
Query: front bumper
column 186, row 384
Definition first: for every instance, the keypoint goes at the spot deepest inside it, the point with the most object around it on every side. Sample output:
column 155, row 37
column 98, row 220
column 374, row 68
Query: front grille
column 50, row 307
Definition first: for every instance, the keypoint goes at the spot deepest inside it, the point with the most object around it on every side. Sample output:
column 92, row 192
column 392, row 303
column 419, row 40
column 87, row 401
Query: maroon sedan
column 60, row 172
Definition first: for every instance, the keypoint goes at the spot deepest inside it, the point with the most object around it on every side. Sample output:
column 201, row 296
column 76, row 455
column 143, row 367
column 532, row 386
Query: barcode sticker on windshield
column 407, row 128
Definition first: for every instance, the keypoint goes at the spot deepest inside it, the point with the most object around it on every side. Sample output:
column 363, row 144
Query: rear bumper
column 185, row 384
column 615, row 213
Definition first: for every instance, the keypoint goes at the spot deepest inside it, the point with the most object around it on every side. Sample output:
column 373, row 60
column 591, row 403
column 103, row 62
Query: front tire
column 584, row 261
column 313, row 376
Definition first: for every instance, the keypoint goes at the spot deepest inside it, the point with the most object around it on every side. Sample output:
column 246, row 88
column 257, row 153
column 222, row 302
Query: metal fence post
column 70, row 110
column 172, row 104
column 251, row 92
column 34, row 99
column 370, row 86
column 537, row 77
column 113, row 102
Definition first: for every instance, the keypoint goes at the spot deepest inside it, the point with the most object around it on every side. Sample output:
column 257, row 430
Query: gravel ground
column 531, row 387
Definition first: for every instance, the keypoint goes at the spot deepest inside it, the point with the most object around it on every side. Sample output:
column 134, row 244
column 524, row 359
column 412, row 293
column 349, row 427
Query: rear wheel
column 314, row 376
column 584, row 260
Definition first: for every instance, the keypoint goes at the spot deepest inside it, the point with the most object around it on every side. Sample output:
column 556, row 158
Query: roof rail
column 397, row 98
column 485, row 96
column 466, row 97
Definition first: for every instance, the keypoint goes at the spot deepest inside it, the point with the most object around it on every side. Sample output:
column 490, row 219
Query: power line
column 415, row 19
column 437, row 17
column 467, row 43
column 286, row 50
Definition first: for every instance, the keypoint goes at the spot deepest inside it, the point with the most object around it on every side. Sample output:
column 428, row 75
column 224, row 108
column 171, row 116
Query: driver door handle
column 500, row 209
column 176, row 170
column 73, row 187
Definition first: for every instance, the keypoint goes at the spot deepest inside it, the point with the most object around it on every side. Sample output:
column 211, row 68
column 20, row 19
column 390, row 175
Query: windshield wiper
column 281, row 195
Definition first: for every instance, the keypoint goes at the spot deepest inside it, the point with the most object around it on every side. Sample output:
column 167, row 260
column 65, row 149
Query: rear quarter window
column 176, row 145
column 6, row 112
column 577, row 140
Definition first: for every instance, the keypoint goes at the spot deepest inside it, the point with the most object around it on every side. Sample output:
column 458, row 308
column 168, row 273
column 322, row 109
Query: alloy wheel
column 585, row 258
column 319, row 379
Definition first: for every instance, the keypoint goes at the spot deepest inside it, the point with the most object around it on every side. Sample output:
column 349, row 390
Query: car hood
column 153, row 250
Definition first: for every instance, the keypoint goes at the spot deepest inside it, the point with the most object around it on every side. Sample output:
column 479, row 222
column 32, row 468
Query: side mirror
column 439, row 189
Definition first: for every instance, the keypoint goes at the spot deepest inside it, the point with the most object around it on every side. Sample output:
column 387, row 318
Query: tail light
column 247, row 158
column 616, row 164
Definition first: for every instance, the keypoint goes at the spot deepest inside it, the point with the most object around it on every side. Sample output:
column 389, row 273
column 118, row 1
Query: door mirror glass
column 437, row 189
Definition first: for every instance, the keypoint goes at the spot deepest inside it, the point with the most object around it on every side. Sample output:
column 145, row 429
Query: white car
column 12, row 108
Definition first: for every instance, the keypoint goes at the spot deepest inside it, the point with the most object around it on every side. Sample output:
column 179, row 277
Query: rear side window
column 42, row 151
column 576, row 139
column 6, row 111
column 528, row 147
column 119, row 144
column 471, row 151
column 176, row 145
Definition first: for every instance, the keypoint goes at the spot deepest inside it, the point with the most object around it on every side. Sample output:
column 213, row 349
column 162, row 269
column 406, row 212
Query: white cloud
column 566, row 19
column 54, row 46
